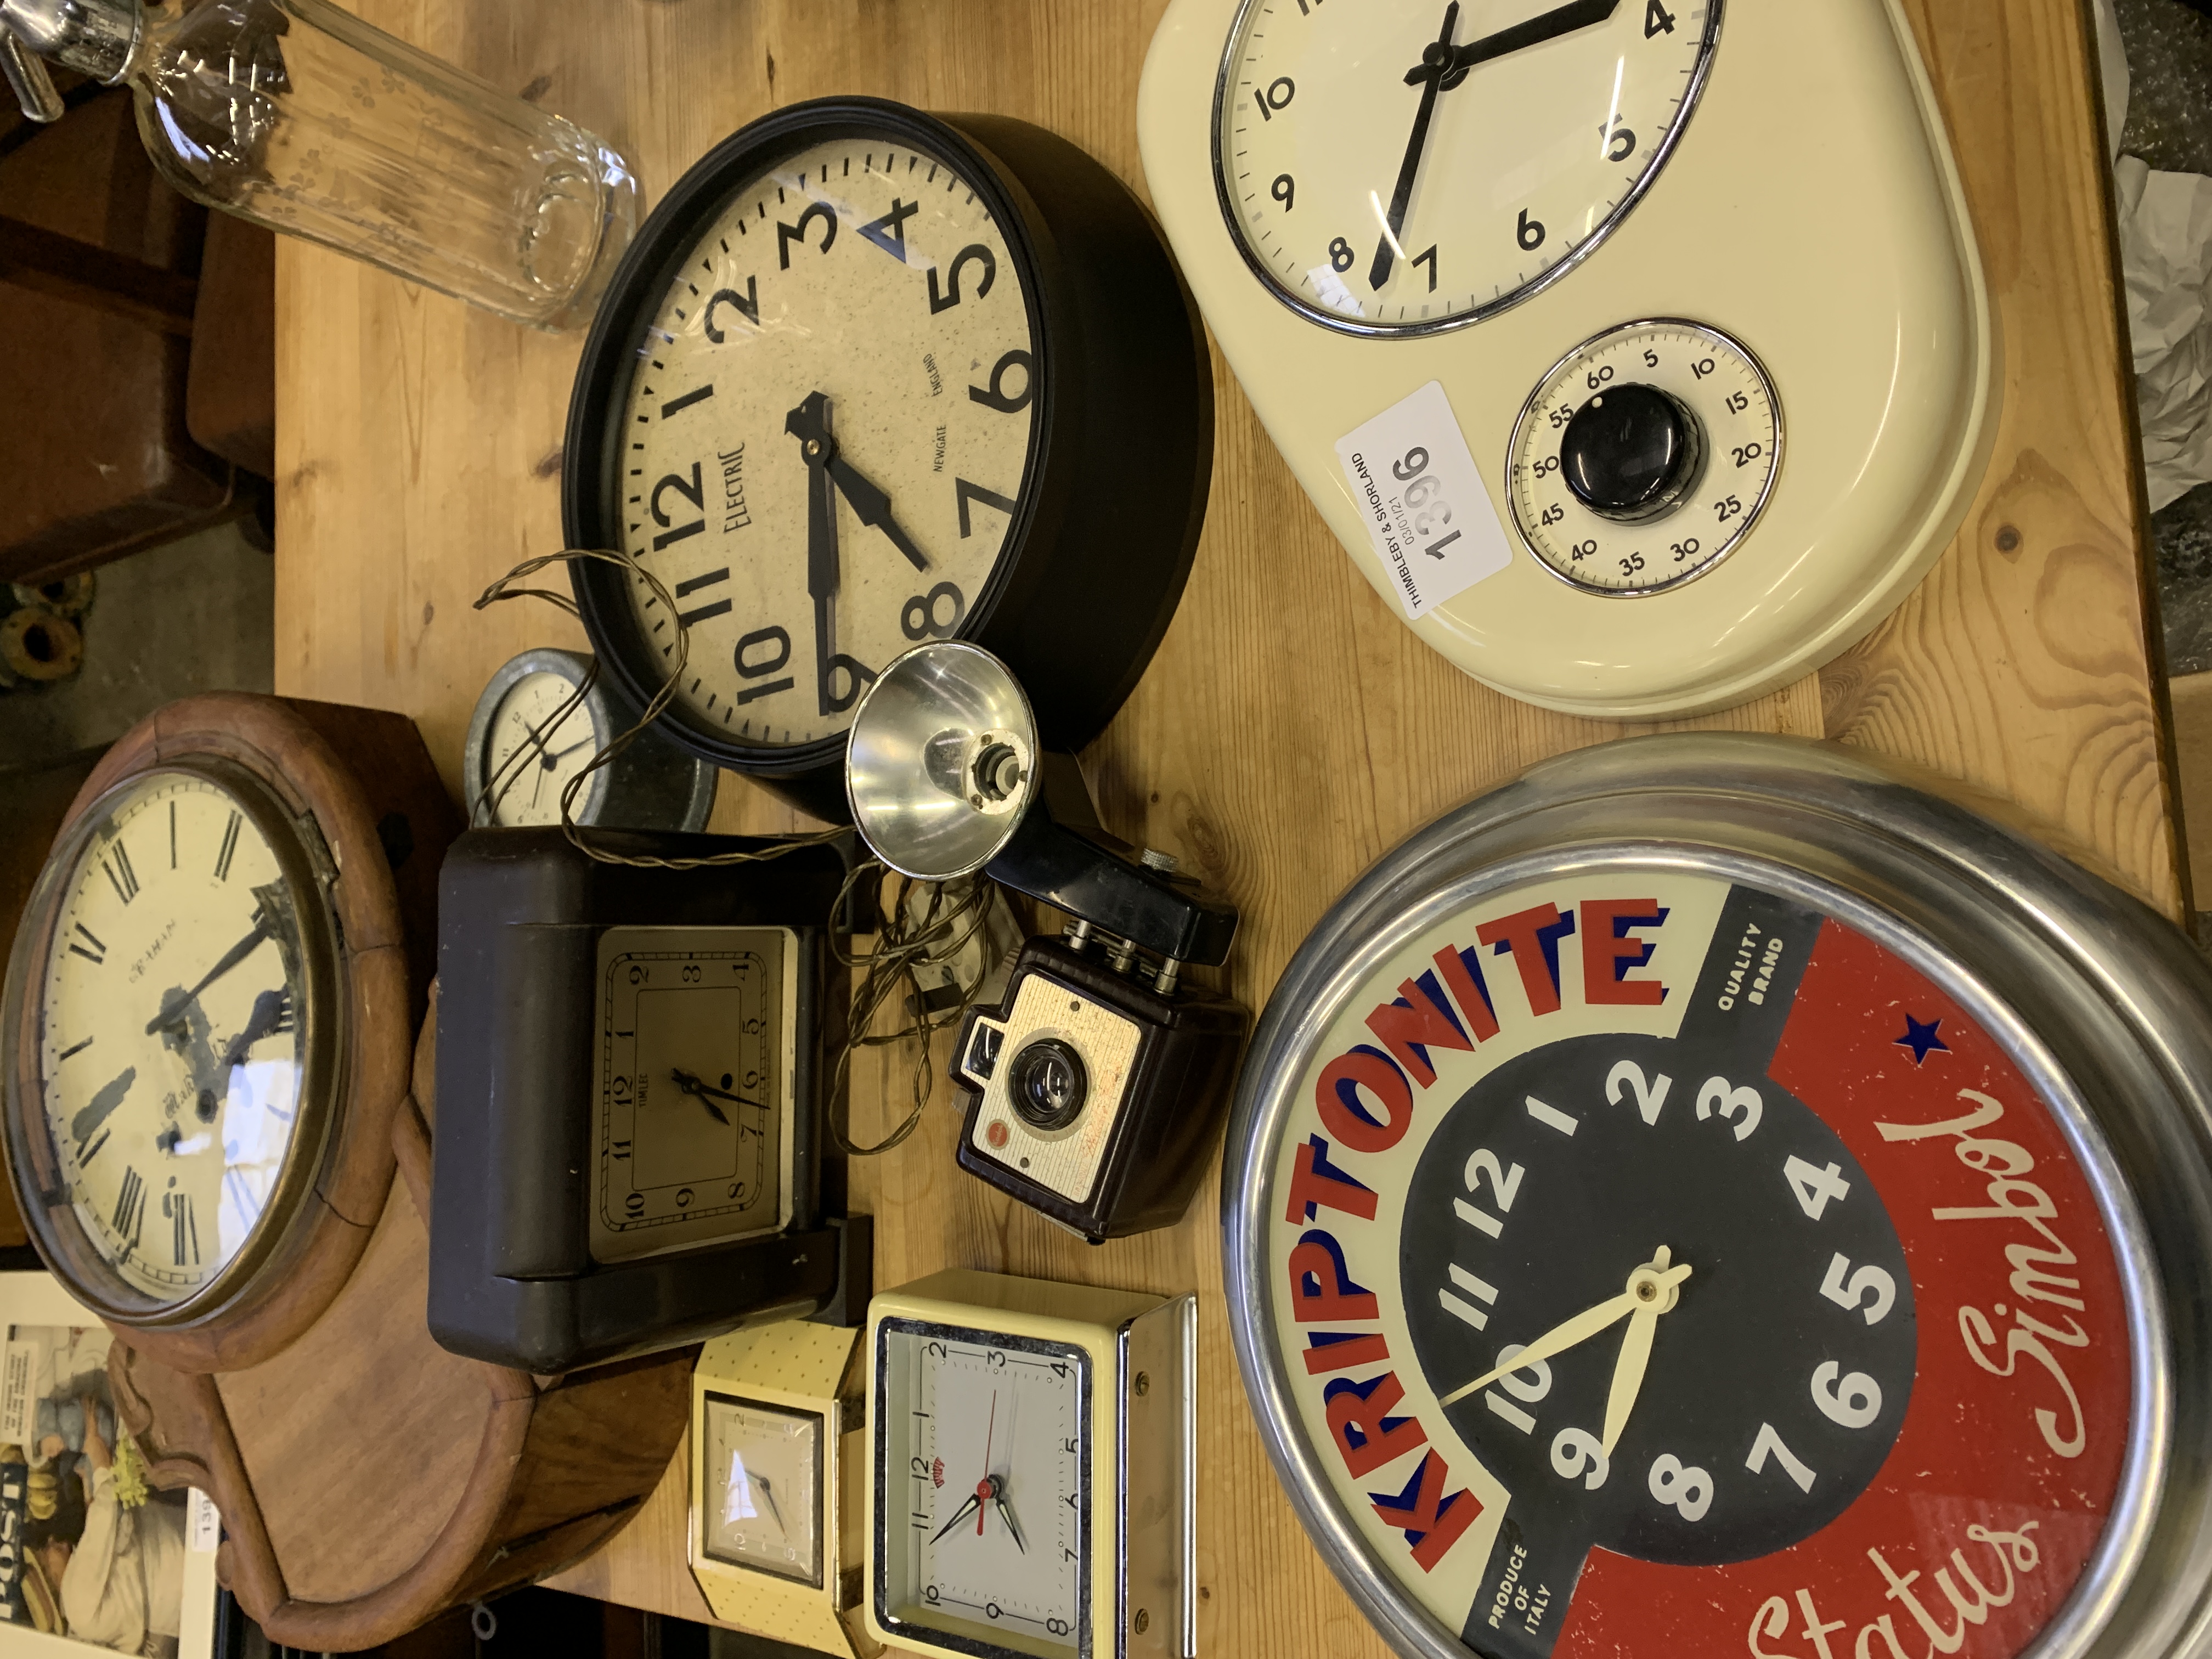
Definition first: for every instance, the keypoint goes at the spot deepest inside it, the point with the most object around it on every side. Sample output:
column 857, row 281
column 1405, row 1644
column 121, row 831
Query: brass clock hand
column 1436, row 73
column 1636, row 1348
column 1643, row 1285
column 973, row 1506
column 1545, row 26
column 264, row 927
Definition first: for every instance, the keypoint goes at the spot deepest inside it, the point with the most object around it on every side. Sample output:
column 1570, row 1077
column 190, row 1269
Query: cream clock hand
column 1435, row 70
column 1545, row 26
column 1636, row 1347
column 1583, row 1327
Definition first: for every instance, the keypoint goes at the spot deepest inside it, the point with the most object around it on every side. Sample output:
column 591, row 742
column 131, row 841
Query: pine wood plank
column 1289, row 730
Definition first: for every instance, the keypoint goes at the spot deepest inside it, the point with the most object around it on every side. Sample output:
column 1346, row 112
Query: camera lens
column 1047, row 1084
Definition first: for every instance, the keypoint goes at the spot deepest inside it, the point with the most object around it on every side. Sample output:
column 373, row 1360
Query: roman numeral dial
column 172, row 1050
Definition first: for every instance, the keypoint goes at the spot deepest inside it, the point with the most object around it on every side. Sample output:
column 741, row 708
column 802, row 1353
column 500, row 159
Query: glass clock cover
column 763, row 1505
column 831, row 433
column 694, row 1122
column 986, row 1539
column 529, row 756
column 1653, row 1257
column 1416, row 166
column 174, row 1050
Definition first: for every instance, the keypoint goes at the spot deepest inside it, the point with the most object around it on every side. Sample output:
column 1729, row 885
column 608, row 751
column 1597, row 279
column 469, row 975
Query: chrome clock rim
column 1862, row 842
column 1337, row 321
column 570, row 667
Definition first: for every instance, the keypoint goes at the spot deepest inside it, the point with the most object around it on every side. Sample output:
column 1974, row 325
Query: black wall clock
column 869, row 377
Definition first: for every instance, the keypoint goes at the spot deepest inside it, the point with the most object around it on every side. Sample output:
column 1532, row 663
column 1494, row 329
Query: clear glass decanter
column 300, row 117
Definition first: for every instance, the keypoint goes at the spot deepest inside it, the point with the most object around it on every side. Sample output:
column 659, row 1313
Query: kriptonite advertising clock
column 1706, row 1198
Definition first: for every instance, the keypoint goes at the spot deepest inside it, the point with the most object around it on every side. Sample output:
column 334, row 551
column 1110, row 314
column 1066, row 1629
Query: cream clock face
column 533, row 750
column 1411, row 165
column 830, row 426
column 171, row 1052
column 985, row 1533
column 763, row 1502
column 695, row 1053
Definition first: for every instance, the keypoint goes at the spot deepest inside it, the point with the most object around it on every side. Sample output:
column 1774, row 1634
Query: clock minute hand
column 1579, row 1329
column 263, row 926
column 1006, row 1514
column 1545, row 26
column 1434, row 73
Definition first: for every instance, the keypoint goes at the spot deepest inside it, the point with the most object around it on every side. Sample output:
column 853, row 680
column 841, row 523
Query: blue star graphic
column 1920, row 1037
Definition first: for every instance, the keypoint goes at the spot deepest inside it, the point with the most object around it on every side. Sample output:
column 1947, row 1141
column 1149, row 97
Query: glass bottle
column 300, row 117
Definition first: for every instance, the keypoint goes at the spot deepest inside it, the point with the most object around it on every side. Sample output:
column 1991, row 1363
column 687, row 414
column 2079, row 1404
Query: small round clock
column 869, row 377
column 522, row 751
column 1712, row 1196
column 208, row 1017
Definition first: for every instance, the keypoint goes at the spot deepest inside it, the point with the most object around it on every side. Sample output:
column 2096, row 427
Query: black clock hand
column 1435, row 73
column 974, row 1505
column 1545, row 26
column 1006, row 1514
column 263, row 926
column 767, row 1496
column 810, row 425
column 271, row 1009
column 707, row 1094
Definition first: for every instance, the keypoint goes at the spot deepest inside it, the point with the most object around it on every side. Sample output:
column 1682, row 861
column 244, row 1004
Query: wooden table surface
column 1290, row 730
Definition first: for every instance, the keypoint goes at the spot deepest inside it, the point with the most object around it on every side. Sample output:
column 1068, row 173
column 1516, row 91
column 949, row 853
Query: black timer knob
column 1632, row 452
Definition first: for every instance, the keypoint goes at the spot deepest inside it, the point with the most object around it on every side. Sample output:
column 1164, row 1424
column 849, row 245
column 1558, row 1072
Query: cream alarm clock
column 1637, row 351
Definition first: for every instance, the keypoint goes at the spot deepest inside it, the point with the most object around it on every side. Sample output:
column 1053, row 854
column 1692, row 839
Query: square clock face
column 762, row 1505
column 983, row 1498
column 694, row 1052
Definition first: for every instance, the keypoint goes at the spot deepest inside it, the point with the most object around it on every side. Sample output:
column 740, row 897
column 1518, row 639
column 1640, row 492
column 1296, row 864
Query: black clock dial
column 869, row 378
column 1524, row 1217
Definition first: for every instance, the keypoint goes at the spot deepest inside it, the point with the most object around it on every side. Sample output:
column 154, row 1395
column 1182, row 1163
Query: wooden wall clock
column 209, row 1010
column 1710, row 1196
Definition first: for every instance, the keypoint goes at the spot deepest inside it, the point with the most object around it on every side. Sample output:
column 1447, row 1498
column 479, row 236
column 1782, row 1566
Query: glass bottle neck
column 93, row 37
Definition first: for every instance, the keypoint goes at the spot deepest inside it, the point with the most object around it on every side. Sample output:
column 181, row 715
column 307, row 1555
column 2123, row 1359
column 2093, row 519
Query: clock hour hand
column 767, row 1496
column 1006, row 1514
column 707, row 1094
column 810, row 424
column 1644, row 1284
column 973, row 1506
column 1545, row 26
column 1434, row 73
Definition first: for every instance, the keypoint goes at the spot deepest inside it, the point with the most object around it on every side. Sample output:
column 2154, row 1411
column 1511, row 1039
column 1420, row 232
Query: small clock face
column 1414, row 165
column 983, row 1536
column 827, row 434
column 532, row 752
column 762, row 1504
column 174, row 1046
column 1648, row 1249
column 692, row 1141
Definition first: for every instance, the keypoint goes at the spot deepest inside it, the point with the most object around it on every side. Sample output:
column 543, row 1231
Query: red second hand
column 983, row 1486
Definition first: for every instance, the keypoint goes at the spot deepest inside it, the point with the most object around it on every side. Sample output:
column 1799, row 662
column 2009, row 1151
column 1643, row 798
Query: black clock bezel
column 1076, row 603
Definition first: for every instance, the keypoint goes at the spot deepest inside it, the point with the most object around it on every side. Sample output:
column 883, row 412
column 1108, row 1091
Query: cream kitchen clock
column 778, row 1511
column 1637, row 350
column 1030, row 1468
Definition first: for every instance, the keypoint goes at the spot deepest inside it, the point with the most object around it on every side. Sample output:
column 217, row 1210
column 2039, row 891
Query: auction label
column 1425, row 508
